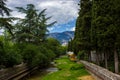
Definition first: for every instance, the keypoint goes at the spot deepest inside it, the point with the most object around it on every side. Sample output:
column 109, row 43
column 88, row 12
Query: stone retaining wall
column 7, row 74
column 102, row 73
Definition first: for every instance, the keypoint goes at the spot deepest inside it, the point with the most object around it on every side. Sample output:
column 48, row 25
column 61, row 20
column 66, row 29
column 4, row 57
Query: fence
column 102, row 73
column 10, row 73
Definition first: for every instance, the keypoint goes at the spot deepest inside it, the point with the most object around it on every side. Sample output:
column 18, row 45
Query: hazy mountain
column 63, row 37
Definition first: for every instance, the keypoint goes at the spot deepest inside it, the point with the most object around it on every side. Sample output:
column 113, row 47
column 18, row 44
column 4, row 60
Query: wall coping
column 100, row 71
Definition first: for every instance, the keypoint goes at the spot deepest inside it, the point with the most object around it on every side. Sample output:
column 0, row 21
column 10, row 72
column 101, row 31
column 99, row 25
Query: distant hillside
column 63, row 37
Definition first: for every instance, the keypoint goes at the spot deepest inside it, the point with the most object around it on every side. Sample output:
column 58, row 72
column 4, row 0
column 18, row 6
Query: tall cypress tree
column 100, row 24
column 115, row 30
column 105, row 31
column 97, row 28
column 83, row 25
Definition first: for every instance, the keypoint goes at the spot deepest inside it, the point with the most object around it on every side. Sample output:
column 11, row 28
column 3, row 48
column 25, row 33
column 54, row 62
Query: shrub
column 47, row 52
column 12, row 58
column 80, row 54
column 12, row 55
column 40, row 60
column 29, row 53
column 61, row 50
column 53, row 45
column 37, row 55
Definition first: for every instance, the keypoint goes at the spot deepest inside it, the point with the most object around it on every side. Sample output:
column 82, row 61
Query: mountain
column 62, row 37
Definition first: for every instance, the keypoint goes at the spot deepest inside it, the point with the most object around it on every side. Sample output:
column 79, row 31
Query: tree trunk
column 97, row 58
column 89, row 56
column 116, row 61
column 106, row 62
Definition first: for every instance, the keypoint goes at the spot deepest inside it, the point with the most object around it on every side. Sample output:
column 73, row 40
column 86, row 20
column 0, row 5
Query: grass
column 67, row 70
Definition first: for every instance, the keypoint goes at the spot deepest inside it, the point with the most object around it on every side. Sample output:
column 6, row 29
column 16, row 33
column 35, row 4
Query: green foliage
column 36, row 55
column 40, row 60
column 77, row 67
column 80, row 54
column 97, row 29
column 54, row 45
column 13, row 57
column 29, row 52
column 47, row 52
column 10, row 54
column 5, row 9
column 28, row 42
column 83, row 28
column 33, row 28
column 62, row 50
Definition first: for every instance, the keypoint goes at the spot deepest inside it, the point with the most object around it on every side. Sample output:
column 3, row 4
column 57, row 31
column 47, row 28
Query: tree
column 115, row 30
column 105, row 31
column 83, row 26
column 33, row 27
column 42, row 25
column 5, row 23
column 53, row 45
column 3, row 8
column 26, row 26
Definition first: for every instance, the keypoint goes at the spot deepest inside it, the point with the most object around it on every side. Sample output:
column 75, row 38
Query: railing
column 102, row 73
column 16, row 72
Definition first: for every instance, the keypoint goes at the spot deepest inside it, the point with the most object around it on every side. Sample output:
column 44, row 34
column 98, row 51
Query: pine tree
column 3, row 8
column 33, row 27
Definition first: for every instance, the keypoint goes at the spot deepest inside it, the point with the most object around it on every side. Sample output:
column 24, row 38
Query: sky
column 64, row 12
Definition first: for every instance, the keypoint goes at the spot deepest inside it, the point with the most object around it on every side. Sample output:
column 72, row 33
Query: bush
column 2, row 52
column 12, row 58
column 21, row 46
column 80, row 54
column 34, row 55
column 53, row 45
column 47, row 52
column 29, row 53
column 12, row 55
column 61, row 50
column 37, row 55
column 40, row 60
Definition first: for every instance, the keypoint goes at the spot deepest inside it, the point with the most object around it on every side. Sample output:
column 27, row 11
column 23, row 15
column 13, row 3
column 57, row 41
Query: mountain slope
column 63, row 37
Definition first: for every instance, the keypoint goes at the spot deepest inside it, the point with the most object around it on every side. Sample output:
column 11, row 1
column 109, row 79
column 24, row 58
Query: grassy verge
column 67, row 70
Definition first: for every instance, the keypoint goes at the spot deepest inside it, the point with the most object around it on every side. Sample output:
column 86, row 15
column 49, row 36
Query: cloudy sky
column 64, row 12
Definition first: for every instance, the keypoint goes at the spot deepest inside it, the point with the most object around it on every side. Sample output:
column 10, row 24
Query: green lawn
column 68, row 70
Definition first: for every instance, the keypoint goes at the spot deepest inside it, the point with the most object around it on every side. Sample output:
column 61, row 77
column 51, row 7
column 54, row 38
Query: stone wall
column 8, row 74
column 102, row 73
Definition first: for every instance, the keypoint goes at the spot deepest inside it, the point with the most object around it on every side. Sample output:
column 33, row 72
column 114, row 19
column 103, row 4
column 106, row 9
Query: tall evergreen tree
column 105, row 29
column 83, row 26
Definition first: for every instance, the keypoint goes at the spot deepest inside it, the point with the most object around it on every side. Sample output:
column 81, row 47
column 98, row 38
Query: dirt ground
column 88, row 77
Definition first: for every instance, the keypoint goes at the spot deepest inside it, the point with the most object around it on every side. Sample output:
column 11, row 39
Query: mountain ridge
column 62, row 37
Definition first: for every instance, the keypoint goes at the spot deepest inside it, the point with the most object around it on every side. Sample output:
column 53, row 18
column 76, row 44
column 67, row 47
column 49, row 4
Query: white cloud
column 73, row 29
column 70, row 29
column 18, row 14
column 51, row 28
column 61, row 11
